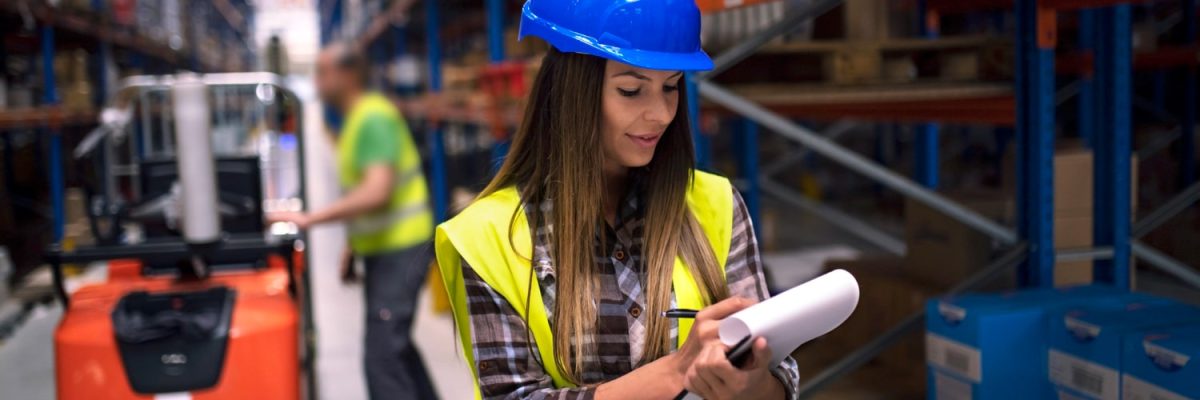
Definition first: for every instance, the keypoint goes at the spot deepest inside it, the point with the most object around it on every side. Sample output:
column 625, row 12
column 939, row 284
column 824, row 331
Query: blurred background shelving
column 59, row 61
column 997, row 109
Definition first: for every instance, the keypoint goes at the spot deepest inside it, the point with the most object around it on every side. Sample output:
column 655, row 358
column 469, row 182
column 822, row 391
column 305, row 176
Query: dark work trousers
column 392, row 363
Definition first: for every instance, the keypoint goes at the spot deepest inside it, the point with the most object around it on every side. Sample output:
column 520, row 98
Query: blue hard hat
column 652, row 34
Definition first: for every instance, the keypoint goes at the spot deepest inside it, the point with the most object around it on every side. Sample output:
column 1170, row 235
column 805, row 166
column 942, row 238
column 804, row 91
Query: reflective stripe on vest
column 480, row 235
column 407, row 219
column 377, row 223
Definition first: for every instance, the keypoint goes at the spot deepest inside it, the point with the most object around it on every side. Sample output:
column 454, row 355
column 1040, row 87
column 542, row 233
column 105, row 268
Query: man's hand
column 302, row 220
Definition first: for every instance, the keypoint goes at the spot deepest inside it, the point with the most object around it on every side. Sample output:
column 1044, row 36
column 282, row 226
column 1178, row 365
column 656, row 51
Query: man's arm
column 376, row 151
column 372, row 193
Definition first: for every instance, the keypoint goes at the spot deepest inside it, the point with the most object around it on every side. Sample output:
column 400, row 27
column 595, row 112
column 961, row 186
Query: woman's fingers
column 730, row 379
column 724, row 308
column 714, row 373
column 714, row 366
column 762, row 354
column 697, row 385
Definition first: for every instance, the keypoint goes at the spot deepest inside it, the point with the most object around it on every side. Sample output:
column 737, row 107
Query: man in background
column 386, row 210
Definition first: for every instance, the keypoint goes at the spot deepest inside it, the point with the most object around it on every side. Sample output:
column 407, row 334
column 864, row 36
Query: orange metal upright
column 711, row 6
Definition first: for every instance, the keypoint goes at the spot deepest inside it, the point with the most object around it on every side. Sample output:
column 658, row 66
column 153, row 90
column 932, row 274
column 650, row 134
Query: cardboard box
column 1073, row 273
column 1073, row 180
column 993, row 346
column 855, row 64
column 1162, row 364
column 1086, row 342
column 888, row 296
column 1073, row 184
column 1073, row 207
column 944, row 251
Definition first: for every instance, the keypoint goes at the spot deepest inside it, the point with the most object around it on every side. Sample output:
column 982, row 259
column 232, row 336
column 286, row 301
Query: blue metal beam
column 747, row 137
column 103, row 55
column 1087, row 112
column 495, row 30
column 926, row 165
column 331, row 20
column 699, row 140
column 1113, row 144
column 1035, row 145
column 927, row 155
column 437, row 148
column 49, row 98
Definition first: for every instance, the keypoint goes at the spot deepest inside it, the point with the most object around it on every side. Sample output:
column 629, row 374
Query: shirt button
column 619, row 254
column 635, row 311
column 485, row 366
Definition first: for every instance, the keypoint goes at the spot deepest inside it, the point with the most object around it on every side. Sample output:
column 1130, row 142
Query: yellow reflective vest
column 407, row 219
column 480, row 235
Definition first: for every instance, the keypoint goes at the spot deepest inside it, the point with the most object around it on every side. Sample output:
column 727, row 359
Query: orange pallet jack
column 211, row 304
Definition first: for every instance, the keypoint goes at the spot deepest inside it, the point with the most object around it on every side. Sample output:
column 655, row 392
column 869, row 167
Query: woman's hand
column 708, row 374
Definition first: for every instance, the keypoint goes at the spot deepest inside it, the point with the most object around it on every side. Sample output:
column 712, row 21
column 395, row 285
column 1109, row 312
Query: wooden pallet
column 53, row 116
column 964, row 58
column 715, row 6
column 990, row 103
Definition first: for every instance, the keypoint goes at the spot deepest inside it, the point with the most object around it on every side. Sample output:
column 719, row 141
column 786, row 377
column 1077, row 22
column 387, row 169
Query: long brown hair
column 556, row 156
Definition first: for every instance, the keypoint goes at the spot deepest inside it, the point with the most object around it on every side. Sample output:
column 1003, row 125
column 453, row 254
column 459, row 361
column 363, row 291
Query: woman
column 596, row 223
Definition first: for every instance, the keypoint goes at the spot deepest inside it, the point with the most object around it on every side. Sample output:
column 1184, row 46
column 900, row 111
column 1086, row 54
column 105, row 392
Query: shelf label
column 1086, row 377
column 954, row 357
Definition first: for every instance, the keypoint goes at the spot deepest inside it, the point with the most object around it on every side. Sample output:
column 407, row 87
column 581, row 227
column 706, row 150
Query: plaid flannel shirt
column 508, row 365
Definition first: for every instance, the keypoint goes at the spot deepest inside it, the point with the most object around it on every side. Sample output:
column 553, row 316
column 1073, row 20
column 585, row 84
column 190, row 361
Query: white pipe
column 194, row 160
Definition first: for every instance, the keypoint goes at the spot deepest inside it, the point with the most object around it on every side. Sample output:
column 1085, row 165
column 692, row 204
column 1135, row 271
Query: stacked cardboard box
column 1073, row 213
column 945, row 251
column 1074, row 207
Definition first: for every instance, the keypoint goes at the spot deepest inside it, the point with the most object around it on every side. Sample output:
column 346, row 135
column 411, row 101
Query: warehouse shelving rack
column 100, row 34
column 426, row 109
column 1031, row 244
column 1104, row 63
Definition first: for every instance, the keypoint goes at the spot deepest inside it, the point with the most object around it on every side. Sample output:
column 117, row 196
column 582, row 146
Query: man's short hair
column 347, row 57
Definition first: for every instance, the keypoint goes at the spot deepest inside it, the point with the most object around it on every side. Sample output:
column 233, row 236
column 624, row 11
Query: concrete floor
column 27, row 358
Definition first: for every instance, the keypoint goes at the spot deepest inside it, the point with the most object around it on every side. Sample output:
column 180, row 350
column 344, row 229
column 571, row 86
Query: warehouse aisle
column 339, row 313
column 339, row 307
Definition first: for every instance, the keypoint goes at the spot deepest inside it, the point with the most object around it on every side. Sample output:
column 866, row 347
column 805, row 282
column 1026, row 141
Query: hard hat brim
column 566, row 40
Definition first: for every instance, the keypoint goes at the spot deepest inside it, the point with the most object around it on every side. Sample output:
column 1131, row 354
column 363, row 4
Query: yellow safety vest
column 480, row 235
column 406, row 220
